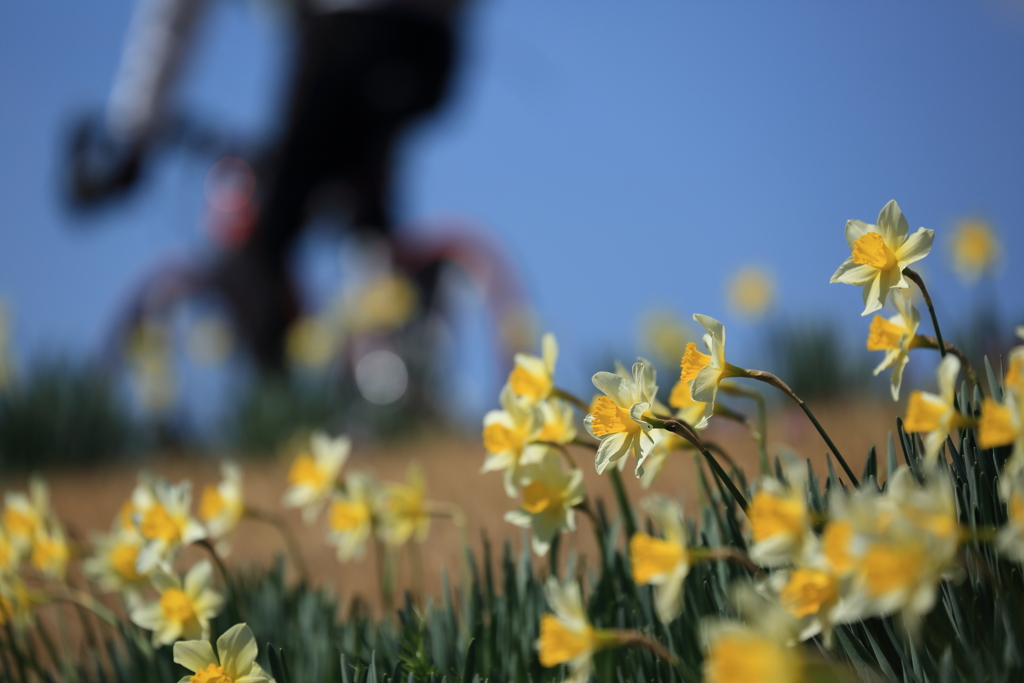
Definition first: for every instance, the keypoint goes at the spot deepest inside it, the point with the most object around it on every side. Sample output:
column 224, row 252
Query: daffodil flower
column 662, row 562
column 880, row 253
column 184, row 609
column 736, row 653
column 313, row 474
column 350, row 516
column 24, row 515
column 50, row 552
column 895, row 336
column 113, row 563
column 532, row 378
column 1002, row 424
column 234, row 661
column 665, row 443
column 779, row 520
column 974, row 248
column 809, row 594
column 566, row 635
column 16, row 603
column 221, row 506
column 935, row 414
column 549, row 496
column 508, row 435
column 10, row 558
column 167, row 524
column 557, row 421
column 687, row 409
column 704, row 371
column 405, row 514
column 617, row 418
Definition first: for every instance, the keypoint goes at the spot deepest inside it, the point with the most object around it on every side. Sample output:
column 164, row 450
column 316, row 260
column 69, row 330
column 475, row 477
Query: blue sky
column 628, row 155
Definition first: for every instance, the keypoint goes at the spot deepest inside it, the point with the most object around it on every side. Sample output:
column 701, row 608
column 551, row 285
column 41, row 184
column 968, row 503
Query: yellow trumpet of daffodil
column 25, row 514
column 880, row 253
column 935, row 414
column 532, row 378
column 184, row 608
column 234, row 661
column 617, row 418
column 896, row 336
column 350, row 516
column 314, row 473
column 704, row 371
column 741, row 655
column 549, row 496
column 566, row 635
column 662, row 562
column 50, row 552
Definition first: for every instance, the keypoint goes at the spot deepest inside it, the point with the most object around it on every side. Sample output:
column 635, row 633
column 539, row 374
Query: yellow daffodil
column 895, row 548
column 50, row 553
column 16, row 603
column 234, row 661
column 880, row 253
column 662, row 562
column 896, row 336
column 751, row 290
column 1002, row 424
column 616, row 419
column 113, row 563
column 557, row 421
column 974, row 248
column 934, row 414
column 704, row 371
column 533, row 378
column 508, row 435
column 166, row 524
column 184, row 609
column 1010, row 538
column 24, row 514
column 314, row 473
column 221, row 505
column 10, row 558
column 549, row 496
column 566, row 635
column 779, row 520
column 810, row 594
column 405, row 510
column 741, row 654
column 350, row 516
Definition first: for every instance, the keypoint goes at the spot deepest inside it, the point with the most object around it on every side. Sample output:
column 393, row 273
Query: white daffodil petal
column 617, row 388
column 704, row 387
column 892, row 224
column 851, row 273
column 857, row 229
column 611, row 448
column 237, row 649
column 194, row 654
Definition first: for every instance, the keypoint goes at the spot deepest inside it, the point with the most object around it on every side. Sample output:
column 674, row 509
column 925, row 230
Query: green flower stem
column 978, row 535
column 566, row 396
column 931, row 309
column 684, row 430
column 769, row 378
column 454, row 513
column 416, row 572
column 728, row 554
column 283, row 528
column 599, row 531
column 561, row 449
column 923, row 341
column 760, row 435
column 623, row 500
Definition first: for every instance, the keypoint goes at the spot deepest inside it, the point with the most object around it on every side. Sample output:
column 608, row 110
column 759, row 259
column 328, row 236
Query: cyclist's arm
column 158, row 37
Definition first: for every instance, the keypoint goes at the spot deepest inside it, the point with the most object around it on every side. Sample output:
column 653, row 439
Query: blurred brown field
column 88, row 500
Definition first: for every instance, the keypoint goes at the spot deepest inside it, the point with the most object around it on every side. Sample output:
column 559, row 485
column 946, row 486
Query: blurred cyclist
column 366, row 69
